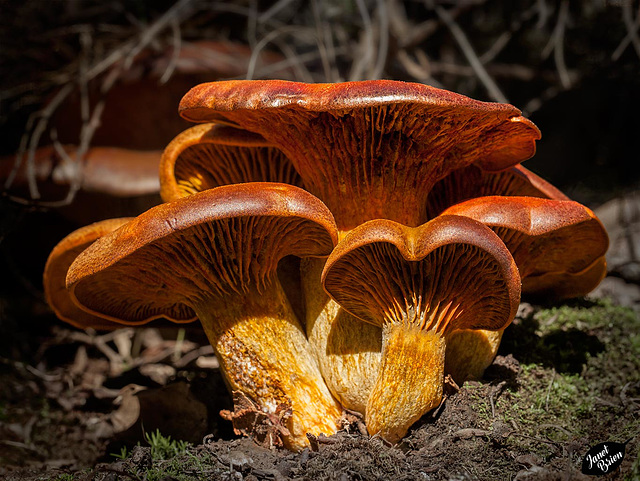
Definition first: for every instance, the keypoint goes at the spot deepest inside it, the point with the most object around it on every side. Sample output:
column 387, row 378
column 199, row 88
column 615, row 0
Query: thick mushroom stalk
column 213, row 255
column 347, row 350
column 369, row 150
column 420, row 285
column 209, row 155
column 55, row 274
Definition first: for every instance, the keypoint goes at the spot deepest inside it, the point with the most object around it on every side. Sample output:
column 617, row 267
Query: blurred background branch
column 526, row 52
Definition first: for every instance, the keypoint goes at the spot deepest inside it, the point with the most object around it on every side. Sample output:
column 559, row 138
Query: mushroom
column 370, row 149
column 471, row 182
column 559, row 247
column 213, row 255
column 210, row 155
column 109, row 170
column 420, row 285
column 55, row 274
column 469, row 353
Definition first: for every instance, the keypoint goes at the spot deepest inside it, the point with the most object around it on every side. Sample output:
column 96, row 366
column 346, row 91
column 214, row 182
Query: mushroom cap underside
column 471, row 182
column 225, row 241
column 446, row 274
column 211, row 155
column 55, row 274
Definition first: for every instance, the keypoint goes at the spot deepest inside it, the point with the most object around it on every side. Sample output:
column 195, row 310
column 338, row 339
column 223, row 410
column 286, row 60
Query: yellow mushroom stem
column 347, row 349
column 410, row 380
column 264, row 353
column 470, row 352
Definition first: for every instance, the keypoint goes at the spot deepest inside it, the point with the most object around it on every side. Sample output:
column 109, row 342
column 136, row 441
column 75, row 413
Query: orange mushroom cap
column 558, row 245
column 370, row 149
column 210, row 155
column 109, row 170
column 382, row 268
column 213, row 243
column 55, row 274
column 471, row 182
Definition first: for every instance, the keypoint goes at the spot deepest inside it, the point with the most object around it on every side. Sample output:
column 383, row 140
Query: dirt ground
column 145, row 403
column 567, row 378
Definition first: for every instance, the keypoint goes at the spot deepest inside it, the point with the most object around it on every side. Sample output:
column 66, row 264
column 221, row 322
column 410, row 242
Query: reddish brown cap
column 471, row 182
column 446, row 274
column 370, row 149
column 209, row 155
column 55, row 274
column 212, row 244
column 558, row 245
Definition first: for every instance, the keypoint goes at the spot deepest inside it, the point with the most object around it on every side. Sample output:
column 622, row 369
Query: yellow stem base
column 264, row 353
column 409, row 383
column 347, row 349
column 470, row 352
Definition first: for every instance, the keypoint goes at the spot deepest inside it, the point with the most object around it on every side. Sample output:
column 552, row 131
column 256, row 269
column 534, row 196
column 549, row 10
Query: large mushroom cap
column 370, row 149
column 213, row 243
column 55, row 274
column 457, row 271
column 209, row 155
column 558, row 245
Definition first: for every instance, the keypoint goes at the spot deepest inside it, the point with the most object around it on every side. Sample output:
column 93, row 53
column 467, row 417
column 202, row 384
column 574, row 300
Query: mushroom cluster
column 416, row 226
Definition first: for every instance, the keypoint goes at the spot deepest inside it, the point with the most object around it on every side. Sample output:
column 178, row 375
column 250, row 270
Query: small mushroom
column 209, row 155
column 369, row 150
column 559, row 247
column 108, row 170
column 55, row 274
column 471, row 182
column 469, row 353
column 420, row 285
column 213, row 255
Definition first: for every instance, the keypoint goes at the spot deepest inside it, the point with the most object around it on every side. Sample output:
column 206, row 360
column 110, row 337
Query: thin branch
column 268, row 38
column 321, row 38
column 632, row 32
column 271, row 11
column 358, row 67
column 492, row 88
column 175, row 13
column 559, row 49
column 556, row 45
column 383, row 40
column 302, row 72
column 175, row 55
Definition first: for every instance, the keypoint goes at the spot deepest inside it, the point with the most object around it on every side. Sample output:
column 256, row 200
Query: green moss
column 634, row 474
column 579, row 361
column 548, row 401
